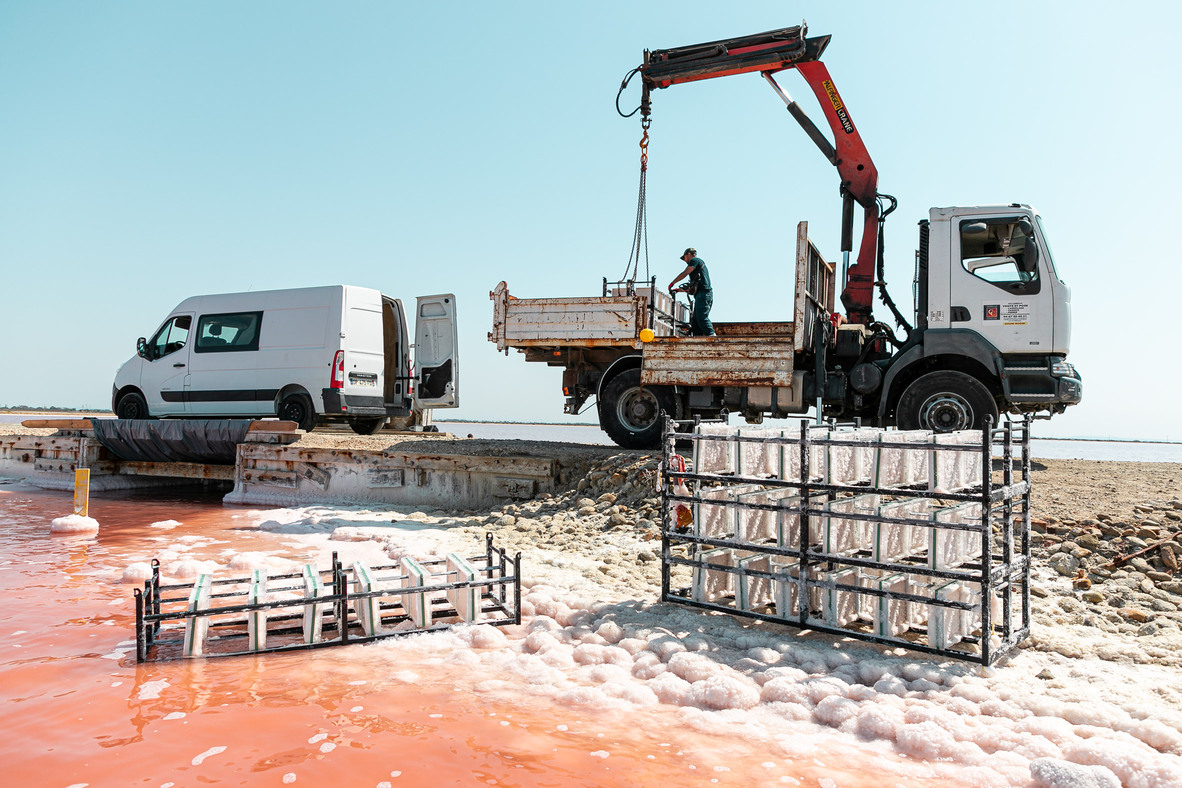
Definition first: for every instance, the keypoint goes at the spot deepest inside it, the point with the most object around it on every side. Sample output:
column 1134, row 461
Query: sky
column 153, row 151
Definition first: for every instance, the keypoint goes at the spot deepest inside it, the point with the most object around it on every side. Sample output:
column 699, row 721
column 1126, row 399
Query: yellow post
column 81, row 491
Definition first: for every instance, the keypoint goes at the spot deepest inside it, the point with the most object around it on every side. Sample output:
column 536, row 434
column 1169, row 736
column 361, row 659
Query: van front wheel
column 132, row 406
column 298, row 408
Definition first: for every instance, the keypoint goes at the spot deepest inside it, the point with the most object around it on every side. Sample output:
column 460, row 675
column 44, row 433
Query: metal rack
column 829, row 564
column 321, row 608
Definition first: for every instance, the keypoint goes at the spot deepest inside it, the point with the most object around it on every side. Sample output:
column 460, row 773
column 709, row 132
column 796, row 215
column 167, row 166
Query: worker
column 699, row 289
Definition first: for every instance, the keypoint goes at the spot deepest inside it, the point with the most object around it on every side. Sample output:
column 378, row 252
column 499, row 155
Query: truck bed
column 603, row 321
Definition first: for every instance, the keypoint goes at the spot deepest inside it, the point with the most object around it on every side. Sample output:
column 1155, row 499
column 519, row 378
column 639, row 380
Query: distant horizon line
column 54, row 409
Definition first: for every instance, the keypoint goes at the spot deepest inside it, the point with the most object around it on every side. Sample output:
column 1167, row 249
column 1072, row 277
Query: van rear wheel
column 367, row 426
column 298, row 408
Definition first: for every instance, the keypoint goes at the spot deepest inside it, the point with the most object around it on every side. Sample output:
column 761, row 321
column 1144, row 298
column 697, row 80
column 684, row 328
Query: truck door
column 997, row 286
column 167, row 368
column 436, row 358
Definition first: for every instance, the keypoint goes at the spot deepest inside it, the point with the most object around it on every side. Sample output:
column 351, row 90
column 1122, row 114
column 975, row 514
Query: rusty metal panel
column 814, row 290
column 718, row 361
column 557, row 322
column 753, row 329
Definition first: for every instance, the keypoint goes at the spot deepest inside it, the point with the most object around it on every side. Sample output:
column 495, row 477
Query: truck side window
column 228, row 332
column 171, row 337
column 995, row 250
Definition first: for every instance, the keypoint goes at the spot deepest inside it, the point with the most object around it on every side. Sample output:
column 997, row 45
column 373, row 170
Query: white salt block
column 314, row 611
column 466, row 601
column 197, row 627
column 417, row 605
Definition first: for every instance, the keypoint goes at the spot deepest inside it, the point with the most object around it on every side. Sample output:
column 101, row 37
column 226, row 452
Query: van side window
column 171, row 337
column 229, row 333
column 996, row 250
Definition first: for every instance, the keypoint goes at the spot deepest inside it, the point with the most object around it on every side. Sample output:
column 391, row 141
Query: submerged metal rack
column 902, row 538
column 319, row 608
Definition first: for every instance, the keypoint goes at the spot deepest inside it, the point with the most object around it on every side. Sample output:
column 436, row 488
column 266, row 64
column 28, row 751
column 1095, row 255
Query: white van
column 308, row 355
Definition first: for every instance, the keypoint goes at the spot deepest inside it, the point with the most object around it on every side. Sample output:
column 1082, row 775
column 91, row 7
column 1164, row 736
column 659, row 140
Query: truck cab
column 993, row 325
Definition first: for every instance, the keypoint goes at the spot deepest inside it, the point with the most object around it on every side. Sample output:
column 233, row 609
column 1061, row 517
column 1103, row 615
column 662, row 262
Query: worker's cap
column 690, row 250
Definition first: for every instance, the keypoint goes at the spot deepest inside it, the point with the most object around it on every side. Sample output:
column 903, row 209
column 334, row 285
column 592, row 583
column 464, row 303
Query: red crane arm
column 768, row 53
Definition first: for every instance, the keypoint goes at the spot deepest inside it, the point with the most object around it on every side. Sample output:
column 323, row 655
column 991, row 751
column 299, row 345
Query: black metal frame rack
column 161, row 620
column 987, row 609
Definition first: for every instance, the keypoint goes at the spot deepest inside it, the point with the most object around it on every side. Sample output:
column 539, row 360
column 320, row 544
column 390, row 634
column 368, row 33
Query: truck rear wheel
column 945, row 401
column 633, row 415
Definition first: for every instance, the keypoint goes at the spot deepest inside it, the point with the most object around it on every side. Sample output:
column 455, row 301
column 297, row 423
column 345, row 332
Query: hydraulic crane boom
column 768, row 53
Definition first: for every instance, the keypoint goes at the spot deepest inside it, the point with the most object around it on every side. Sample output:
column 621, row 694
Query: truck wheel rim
column 637, row 409
column 945, row 413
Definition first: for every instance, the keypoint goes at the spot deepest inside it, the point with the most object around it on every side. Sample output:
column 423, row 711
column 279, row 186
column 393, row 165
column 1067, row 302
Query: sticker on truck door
column 1015, row 314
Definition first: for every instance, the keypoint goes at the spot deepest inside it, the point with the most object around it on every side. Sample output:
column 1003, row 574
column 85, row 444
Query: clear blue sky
column 151, row 151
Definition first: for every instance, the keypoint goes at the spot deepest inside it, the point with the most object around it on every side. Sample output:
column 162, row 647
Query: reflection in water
column 78, row 709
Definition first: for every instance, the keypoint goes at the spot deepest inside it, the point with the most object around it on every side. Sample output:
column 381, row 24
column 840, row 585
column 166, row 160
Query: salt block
column 466, row 601
column 369, row 609
column 73, row 524
column 314, row 611
column 197, row 627
column 417, row 605
column 256, row 620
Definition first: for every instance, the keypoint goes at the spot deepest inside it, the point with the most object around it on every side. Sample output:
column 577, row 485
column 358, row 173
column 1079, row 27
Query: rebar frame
column 154, row 611
column 1002, row 577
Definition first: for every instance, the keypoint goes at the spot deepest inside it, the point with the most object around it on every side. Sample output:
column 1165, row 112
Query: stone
column 1094, row 597
column 584, row 502
column 1141, row 565
column 1134, row 614
column 1041, row 593
column 1136, row 542
column 1045, row 674
column 646, row 556
column 1147, row 629
column 1160, row 577
column 587, row 510
column 1169, row 556
column 609, row 497
column 1064, row 563
column 1081, row 584
column 506, row 521
column 1173, row 587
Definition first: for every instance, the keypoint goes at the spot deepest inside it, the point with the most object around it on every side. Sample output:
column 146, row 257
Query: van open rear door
column 436, row 359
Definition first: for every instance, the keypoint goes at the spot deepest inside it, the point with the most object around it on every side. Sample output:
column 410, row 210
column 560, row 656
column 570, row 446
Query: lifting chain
column 640, row 233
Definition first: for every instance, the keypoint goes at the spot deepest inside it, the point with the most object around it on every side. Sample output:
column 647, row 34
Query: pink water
column 76, row 709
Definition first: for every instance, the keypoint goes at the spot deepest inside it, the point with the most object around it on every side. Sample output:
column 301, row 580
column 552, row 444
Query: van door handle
column 178, row 365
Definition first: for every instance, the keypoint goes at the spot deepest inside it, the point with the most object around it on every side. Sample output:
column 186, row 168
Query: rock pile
column 1122, row 573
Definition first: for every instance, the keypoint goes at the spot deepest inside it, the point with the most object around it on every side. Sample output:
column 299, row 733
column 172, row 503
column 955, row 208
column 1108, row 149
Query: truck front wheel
column 945, row 401
column 633, row 415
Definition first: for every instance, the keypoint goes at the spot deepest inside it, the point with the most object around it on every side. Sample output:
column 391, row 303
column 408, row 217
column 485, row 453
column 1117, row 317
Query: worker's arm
column 689, row 269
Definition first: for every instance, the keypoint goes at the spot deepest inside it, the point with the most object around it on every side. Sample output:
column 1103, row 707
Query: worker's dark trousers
column 700, row 325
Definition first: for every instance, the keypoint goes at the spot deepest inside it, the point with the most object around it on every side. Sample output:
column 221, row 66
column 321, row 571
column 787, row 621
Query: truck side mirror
column 141, row 348
column 1029, row 261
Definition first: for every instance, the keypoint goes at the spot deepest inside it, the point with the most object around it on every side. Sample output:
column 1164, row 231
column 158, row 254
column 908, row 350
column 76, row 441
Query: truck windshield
column 1046, row 248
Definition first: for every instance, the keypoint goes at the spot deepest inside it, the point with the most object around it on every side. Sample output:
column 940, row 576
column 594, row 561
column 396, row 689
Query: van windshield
column 171, row 337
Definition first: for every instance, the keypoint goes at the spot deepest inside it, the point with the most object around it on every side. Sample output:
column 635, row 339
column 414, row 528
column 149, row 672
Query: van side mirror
column 141, row 348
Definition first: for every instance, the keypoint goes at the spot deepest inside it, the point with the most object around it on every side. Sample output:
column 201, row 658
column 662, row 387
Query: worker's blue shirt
column 699, row 277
